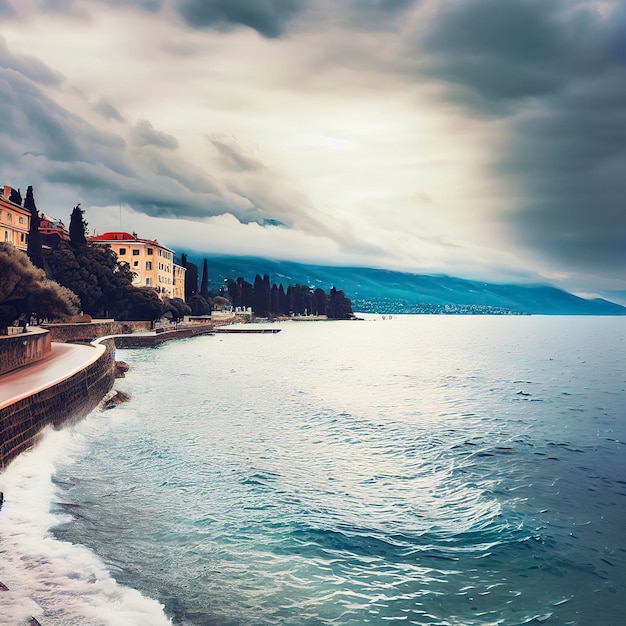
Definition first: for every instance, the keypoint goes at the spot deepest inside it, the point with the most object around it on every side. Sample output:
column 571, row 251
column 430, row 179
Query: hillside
column 385, row 291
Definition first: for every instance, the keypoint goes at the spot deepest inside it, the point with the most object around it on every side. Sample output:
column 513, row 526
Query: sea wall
column 144, row 341
column 88, row 331
column 23, row 349
column 68, row 400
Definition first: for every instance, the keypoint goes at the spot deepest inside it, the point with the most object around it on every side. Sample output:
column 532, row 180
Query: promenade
column 64, row 361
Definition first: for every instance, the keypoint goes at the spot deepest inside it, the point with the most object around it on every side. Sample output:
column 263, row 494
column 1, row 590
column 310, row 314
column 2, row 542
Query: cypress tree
column 78, row 228
column 34, row 251
column 16, row 196
column 204, row 285
column 191, row 280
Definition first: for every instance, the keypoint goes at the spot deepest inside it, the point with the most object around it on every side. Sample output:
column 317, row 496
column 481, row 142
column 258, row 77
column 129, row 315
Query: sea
column 440, row 470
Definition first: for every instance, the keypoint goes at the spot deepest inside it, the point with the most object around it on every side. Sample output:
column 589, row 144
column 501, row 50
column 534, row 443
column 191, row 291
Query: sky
column 478, row 138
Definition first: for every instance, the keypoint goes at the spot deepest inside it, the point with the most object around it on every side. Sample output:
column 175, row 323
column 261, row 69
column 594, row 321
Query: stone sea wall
column 89, row 331
column 143, row 341
column 68, row 400
column 23, row 349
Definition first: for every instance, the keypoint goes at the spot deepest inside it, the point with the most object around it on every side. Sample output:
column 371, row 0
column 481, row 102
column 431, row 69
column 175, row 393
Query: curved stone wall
column 68, row 400
column 23, row 349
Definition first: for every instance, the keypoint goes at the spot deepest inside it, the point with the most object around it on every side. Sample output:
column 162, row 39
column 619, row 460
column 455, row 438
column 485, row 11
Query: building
column 152, row 263
column 14, row 221
column 53, row 231
column 178, row 287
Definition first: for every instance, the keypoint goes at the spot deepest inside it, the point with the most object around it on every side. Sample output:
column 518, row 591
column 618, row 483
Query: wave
column 57, row 582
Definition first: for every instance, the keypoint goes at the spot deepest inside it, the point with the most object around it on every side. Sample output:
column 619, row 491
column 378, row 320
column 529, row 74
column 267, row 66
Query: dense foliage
column 271, row 300
column 26, row 292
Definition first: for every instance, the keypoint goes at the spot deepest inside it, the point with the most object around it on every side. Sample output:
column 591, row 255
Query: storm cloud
column 268, row 17
column 555, row 75
column 336, row 119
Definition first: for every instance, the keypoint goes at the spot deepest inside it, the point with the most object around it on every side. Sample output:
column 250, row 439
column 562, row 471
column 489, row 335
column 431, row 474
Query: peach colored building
column 178, row 287
column 152, row 263
column 14, row 221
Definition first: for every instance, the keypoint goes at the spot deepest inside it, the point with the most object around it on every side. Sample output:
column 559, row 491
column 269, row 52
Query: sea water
column 441, row 470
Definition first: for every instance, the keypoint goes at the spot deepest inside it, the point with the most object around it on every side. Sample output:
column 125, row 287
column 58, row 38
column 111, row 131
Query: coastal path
column 64, row 361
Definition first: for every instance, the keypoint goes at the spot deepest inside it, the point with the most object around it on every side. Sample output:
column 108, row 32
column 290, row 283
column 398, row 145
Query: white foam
column 59, row 583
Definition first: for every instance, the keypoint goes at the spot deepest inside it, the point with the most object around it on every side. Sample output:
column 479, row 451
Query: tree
column 234, row 292
column 78, row 228
column 25, row 291
column 319, row 302
column 140, row 304
column 283, row 301
column 191, row 281
column 274, row 301
column 339, row 307
column 247, row 293
column 15, row 196
column 95, row 275
column 204, row 285
column 176, row 308
column 199, row 306
column 262, row 296
column 34, row 251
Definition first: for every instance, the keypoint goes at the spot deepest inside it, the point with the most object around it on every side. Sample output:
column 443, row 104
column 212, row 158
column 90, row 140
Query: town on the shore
column 50, row 271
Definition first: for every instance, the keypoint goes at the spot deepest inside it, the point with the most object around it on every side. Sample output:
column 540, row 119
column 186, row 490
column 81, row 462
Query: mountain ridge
column 386, row 291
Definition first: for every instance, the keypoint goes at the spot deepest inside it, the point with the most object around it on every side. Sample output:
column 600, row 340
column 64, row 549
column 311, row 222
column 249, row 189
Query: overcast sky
column 480, row 138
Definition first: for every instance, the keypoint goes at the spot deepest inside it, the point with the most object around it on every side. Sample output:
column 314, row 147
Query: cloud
column 29, row 66
column 267, row 17
column 554, row 75
column 232, row 156
column 6, row 9
column 62, row 150
column 144, row 134
column 107, row 110
column 399, row 129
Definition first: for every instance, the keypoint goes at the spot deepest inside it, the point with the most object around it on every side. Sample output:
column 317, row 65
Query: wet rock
column 121, row 368
column 114, row 398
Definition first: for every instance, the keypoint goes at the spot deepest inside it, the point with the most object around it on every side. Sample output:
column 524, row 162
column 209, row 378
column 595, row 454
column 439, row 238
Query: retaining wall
column 68, row 400
column 23, row 349
column 88, row 331
column 143, row 341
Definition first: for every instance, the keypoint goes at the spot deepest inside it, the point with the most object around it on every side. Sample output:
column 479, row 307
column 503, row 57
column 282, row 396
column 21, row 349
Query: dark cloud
column 268, row 17
column 32, row 68
column 144, row 134
column 232, row 156
column 568, row 161
column 64, row 154
column 152, row 6
column 107, row 110
column 56, row 147
column 6, row 9
column 555, row 73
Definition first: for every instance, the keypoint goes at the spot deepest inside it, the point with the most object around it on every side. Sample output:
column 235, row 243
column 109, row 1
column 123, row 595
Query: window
column 148, row 282
column 22, row 237
column 150, row 251
column 148, row 265
column 6, row 235
column 10, row 217
column 122, row 251
column 135, row 263
column 135, row 252
column 21, row 220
